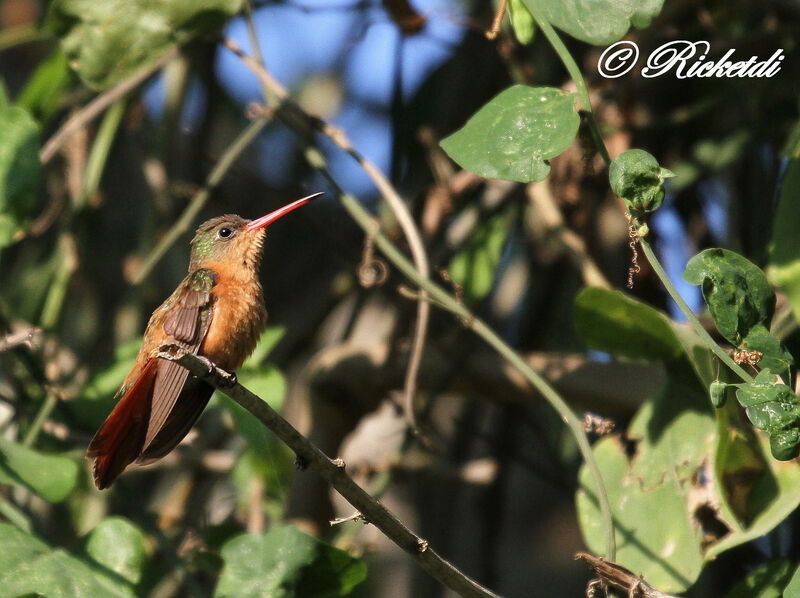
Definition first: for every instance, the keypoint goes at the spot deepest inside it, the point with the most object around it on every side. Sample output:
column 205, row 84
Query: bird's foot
column 222, row 378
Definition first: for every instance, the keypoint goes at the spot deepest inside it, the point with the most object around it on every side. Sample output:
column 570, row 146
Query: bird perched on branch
column 218, row 313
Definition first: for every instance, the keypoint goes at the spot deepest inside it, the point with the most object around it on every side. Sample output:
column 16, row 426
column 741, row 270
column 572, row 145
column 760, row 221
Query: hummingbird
column 217, row 312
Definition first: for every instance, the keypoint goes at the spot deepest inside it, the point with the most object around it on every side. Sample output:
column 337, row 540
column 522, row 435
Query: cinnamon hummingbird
column 217, row 312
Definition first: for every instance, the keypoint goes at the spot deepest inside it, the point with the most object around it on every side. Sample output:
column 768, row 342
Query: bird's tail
column 120, row 439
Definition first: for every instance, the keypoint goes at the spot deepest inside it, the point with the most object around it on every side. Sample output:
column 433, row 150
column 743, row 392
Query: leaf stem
column 690, row 317
column 575, row 74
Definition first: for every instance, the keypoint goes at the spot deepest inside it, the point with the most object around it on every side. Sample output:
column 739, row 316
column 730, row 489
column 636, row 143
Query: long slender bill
column 280, row 212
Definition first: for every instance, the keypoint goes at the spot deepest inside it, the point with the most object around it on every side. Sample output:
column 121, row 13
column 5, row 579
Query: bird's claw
column 222, row 378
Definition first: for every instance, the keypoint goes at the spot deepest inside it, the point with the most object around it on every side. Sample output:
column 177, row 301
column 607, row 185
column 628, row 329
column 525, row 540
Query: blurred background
column 491, row 480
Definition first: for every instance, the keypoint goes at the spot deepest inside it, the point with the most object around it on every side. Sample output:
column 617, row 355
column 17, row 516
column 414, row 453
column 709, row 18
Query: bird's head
column 232, row 241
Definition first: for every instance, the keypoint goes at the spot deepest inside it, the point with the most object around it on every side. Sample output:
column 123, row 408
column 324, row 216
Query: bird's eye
column 224, row 233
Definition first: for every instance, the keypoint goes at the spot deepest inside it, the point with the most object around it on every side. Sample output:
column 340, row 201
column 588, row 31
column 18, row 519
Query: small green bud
column 521, row 21
column 636, row 177
column 718, row 392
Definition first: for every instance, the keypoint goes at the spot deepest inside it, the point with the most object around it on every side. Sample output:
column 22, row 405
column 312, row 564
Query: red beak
column 280, row 212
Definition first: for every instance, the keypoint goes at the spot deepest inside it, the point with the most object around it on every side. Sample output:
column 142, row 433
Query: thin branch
column 30, row 337
column 94, row 108
column 273, row 89
column 181, row 226
column 617, row 576
column 333, row 471
column 295, row 118
column 492, row 32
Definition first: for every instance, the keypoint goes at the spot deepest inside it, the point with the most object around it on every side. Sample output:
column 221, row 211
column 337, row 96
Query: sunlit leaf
column 741, row 301
column 773, row 496
column 736, row 291
column 673, row 434
column 118, row 545
column 774, row 408
column 50, row 476
column 284, row 563
column 598, row 21
column 515, row 133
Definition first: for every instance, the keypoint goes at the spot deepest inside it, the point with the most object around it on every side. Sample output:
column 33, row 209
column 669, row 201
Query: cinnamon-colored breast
column 238, row 317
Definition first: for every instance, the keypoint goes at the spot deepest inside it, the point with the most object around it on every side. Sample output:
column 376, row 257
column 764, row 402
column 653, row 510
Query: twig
column 441, row 297
column 29, row 337
column 354, row 517
column 617, row 576
column 289, row 113
column 93, row 109
column 200, row 198
column 492, row 32
column 333, row 471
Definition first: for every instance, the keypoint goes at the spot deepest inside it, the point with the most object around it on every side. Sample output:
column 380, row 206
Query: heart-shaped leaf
column 514, row 135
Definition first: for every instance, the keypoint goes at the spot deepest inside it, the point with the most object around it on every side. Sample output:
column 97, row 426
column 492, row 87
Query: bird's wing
column 186, row 323
column 147, row 403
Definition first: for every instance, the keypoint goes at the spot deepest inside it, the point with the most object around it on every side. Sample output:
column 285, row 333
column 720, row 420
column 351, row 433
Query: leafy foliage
column 50, row 476
column 107, row 41
column 19, row 169
column 514, row 135
column 774, row 408
column 599, row 22
column 29, row 567
column 285, row 562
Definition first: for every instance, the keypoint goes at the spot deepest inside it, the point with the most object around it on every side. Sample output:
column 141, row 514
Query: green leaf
column 775, row 356
column 41, row 95
column 636, row 177
column 521, row 21
column 268, row 383
column 673, row 435
column 118, row 545
column 597, row 21
column 28, row 566
column 98, row 396
column 741, row 302
column 774, row 408
column 613, row 322
column 266, row 343
column 767, row 581
column 515, row 133
column 19, row 169
column 286, row 562
column 736, row 291
column 793, row 587
column 50, row 476
column 774, row 495
column 475, row 265
column 106, row 42
column 784, row 247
